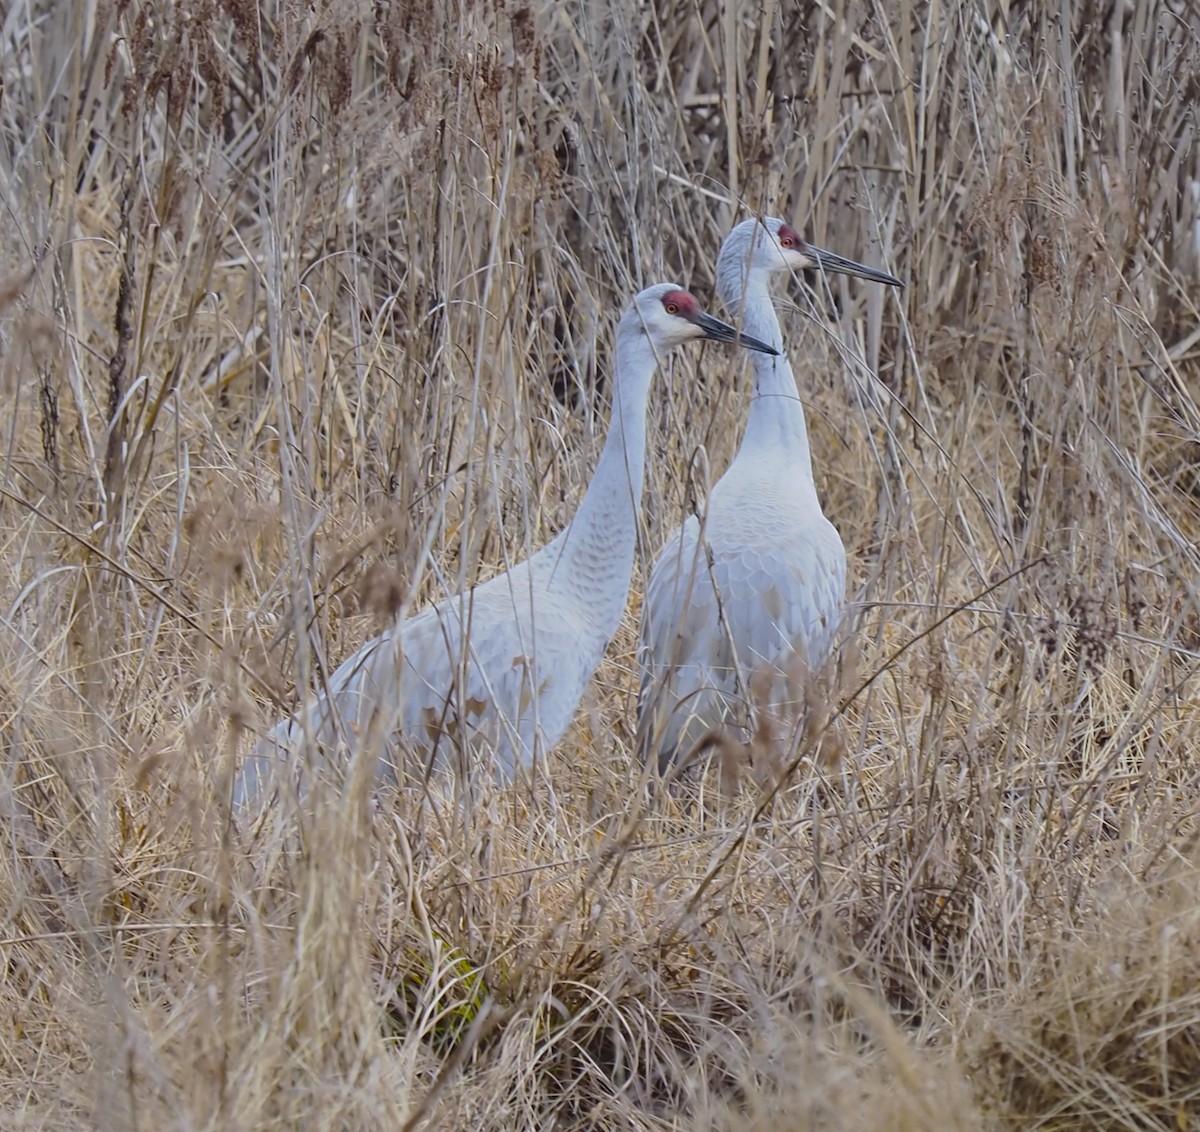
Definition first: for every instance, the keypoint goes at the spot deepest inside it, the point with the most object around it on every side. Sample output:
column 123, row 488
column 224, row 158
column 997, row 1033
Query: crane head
column 757, row 249
column 670, row 316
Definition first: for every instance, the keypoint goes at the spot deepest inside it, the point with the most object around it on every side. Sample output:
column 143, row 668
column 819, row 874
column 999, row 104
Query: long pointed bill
column 719, row 331
column 836, row 264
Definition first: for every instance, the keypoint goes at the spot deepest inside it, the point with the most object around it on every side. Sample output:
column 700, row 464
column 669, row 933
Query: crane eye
column 786, row 241
column 672, row 308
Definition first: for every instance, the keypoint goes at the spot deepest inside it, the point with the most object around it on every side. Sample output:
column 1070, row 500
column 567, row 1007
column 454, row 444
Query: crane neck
column 596, row 550
column 776, row 417
column 621, row 467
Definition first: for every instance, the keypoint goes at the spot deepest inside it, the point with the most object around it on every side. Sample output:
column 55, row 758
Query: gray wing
column 418, row 681
column 687, row 676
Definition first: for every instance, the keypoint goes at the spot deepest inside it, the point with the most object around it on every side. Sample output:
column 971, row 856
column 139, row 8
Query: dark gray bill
column 720, row 331
column 833, row 263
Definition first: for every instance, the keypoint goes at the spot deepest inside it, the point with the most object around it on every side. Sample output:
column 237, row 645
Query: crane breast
column 743, row 596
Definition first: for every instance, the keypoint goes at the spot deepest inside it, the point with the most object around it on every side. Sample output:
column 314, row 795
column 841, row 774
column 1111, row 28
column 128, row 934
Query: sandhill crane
column 777, row 564
column 503, row 666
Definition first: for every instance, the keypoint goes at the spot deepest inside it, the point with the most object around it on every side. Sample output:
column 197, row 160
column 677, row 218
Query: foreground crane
column 500, row 669
column 759, row 585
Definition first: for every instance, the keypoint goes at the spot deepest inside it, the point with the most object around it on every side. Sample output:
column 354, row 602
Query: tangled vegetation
column 306, row 316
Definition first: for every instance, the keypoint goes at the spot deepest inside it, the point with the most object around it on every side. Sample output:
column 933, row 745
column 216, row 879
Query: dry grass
column 292, row 294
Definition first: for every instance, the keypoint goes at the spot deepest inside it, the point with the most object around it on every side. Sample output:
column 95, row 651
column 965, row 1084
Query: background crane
column 760, row 580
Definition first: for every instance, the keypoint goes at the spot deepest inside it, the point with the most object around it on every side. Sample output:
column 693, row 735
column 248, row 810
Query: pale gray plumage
column 534, row 634
column 762, row 583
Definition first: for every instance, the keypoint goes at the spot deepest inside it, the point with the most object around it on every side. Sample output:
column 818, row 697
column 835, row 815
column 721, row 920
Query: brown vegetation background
column 291, row 293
